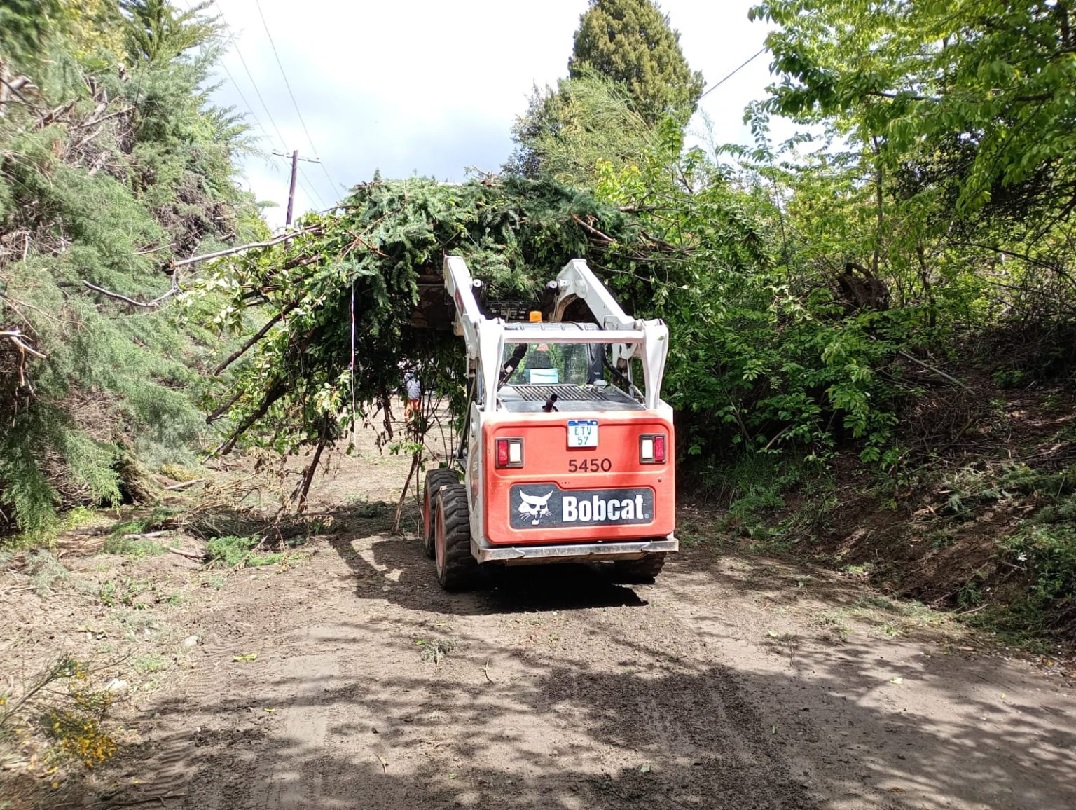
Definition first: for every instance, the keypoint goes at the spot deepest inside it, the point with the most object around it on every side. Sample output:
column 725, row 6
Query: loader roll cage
column 491, row 342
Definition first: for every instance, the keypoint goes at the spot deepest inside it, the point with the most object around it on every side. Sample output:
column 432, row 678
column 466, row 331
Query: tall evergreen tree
column 23, row 24
column 113, row 165
column 157, row 30
column 631, row 42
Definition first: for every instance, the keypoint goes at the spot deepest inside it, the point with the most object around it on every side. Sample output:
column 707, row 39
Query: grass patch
column 148, row 664
column 46, row 536
column 181, row 473
column 46, row 572
column 239, row 552
column 121, row 592
column 135, row 547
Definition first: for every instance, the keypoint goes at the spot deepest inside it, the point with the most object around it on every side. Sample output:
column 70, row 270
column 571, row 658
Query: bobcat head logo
column 536, row 507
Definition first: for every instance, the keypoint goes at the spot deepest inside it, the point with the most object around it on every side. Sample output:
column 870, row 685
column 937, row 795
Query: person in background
column 414, row 395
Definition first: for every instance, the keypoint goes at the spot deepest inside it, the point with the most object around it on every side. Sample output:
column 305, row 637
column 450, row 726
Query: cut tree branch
column 257, row 336
column 154, row 304
column 276, row 240
column 16, row 336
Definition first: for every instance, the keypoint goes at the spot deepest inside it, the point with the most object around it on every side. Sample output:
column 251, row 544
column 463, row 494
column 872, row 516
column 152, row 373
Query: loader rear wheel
column 457, row 570
column 435, row 479
column 639, row 572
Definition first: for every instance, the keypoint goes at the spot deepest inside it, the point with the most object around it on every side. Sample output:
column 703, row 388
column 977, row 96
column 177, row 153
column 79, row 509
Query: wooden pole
column 291, row 189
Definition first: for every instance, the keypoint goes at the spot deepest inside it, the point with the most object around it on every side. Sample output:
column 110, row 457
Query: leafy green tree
column 631, row 42
column 977, row 95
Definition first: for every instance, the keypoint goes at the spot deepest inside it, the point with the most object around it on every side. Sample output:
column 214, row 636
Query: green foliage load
column 630, row 42
column 335, row 305
column 111, row 164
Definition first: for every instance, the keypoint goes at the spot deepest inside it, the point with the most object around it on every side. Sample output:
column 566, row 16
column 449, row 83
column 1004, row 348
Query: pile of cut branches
column 329, row 313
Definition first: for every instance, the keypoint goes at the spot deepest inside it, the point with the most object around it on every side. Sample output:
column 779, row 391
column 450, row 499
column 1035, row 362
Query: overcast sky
column 431, row 87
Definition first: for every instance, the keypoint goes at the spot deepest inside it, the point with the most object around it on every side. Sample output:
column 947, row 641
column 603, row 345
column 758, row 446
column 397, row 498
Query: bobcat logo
column 537, row 507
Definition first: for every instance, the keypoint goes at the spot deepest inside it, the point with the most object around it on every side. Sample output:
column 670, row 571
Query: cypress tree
column 631, row 42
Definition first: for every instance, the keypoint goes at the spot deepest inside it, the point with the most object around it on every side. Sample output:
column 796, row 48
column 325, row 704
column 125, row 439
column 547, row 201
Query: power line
column 254, row 84
column 287, row 84
column 310, row 188
column 729, row 75
column 243, row 98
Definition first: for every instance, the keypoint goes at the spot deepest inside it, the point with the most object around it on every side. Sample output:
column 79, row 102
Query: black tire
column 435, row 479
column 457, row 570
column 639, row 572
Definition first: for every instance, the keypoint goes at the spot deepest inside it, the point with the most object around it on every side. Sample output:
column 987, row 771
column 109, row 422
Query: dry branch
column 16, row 336
column 276, row 240
column 154, row 304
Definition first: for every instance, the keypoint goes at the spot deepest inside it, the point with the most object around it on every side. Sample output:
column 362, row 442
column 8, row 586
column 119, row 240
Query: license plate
column 582, row 432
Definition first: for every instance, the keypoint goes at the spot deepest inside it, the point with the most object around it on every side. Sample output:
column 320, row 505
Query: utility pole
column 291, row 187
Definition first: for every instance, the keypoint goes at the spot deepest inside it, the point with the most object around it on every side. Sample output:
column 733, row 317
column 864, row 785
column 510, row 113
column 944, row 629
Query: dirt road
column 352, row 681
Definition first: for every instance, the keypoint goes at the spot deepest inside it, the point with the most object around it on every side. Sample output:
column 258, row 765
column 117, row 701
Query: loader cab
column 543, row 375
column 553, row 364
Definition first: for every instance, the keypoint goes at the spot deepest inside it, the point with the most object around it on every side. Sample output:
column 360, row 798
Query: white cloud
column 431, row 87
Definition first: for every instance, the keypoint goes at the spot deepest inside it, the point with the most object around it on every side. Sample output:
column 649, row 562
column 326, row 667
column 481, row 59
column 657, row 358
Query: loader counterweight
column 562, row 494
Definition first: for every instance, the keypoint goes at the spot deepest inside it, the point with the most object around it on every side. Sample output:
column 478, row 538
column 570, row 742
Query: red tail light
column 509, row 453
column 652, row 448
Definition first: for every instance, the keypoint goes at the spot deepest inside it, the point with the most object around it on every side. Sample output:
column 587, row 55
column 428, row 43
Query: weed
column 45, row 535
column 366, row 510
column 178, row 472
column 859, row 569
column 136, row 547
column 214, row 581
column 156, row 519
column 46, row 572
column 150, row 663
column 69, row 710
column 1010, row 378
column 876, row 603
column 239, row 552
column 940, row 539
column 436, row 649
column 833, row 626
column 120, row 592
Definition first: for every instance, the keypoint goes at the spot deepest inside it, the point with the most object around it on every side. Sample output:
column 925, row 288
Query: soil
column 344, row 677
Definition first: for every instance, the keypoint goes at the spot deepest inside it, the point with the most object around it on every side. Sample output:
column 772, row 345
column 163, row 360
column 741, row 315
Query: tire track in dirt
column 560, row 689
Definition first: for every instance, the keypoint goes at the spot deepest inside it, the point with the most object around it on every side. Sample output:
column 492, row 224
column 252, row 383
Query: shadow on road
column 567, row 734
column 395, row 569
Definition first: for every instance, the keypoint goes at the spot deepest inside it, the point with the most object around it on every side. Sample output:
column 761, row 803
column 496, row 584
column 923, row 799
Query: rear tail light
column 509, row 453
column 652, row 448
